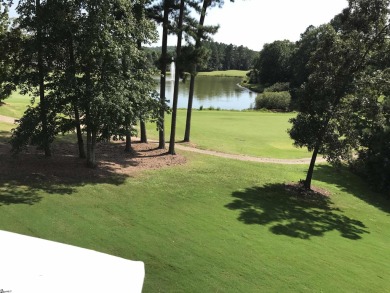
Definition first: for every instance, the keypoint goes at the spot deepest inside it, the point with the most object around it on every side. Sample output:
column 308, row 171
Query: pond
column 216, row 92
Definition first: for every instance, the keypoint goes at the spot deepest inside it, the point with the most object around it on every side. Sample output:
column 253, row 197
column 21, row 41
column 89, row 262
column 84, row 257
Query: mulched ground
column 64, row 166
column 316, row 194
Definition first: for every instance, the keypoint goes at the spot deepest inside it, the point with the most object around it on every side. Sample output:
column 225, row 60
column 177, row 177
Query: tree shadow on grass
column 4, row 136
column 350, row 183
column 287, row 213
column 25, row 178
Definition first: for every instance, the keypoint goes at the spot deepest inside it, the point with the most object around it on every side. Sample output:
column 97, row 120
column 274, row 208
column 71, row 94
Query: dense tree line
column 273, row 64
column 218, row 56
column 227, row 57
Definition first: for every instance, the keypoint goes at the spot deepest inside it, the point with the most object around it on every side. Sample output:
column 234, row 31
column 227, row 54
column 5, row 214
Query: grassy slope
column 251, row 133
column 202, row 230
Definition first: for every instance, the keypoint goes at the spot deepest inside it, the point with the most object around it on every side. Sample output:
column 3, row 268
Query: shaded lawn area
column 218, row 225
column 5, row 130
column 252, row 133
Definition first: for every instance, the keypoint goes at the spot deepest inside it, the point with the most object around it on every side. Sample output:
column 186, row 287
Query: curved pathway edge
column 239, row 157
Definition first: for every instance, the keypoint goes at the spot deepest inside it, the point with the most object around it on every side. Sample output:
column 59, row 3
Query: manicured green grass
column 15, row 105
column 225, row 73
column 5, row 128
column 217, row 225
column 262, row 134
column 252, row 133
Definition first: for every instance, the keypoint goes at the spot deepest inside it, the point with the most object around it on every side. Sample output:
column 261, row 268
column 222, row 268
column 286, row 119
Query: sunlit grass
column 6, row 128
column 217, row 225
column 15, row 105
column 262, row 134
column 225, row 73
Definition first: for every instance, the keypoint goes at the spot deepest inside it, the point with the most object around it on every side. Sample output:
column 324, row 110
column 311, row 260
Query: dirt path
column 7, row 119
column 246, row 158
column 249, row 158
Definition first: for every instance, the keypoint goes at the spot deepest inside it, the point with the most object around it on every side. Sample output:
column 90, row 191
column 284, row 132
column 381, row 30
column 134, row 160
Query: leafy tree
column 112, row 89
column 143, row 83
column 93, row 64
column 61, row 93
column 274, row 63
column 215, row 59
column 8, row 44
column 228, row 57
column 342, row 52
column 65, row 28
column 34, row 66
column 215, row 56
column 301, row 56
column 371, row 121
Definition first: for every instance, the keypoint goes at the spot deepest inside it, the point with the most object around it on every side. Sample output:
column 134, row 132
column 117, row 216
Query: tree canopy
column 273, row 64
column 342, row 52
column 84, row 62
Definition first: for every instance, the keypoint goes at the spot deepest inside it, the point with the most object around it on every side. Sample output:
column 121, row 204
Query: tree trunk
column 42, row 98
column 176, row 87
column 163, row 73
column 128, row 142
column 91, row 132
column 309, row 175
column 320, row 135
column 72, row 62
column 91, row 148
column 128, row 136
column 144, row 138
column 189, row 109
column 80, row 140
column 198, row 43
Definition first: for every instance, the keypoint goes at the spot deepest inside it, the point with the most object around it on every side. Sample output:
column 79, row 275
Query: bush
column 278, row 87
column 373, row 162
column 273, row 101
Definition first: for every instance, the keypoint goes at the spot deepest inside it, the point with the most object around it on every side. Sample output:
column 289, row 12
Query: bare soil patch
column 316, row 194
column 65, row 167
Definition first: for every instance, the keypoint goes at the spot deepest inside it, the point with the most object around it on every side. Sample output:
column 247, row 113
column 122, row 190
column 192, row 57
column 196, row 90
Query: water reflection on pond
column 217, row 92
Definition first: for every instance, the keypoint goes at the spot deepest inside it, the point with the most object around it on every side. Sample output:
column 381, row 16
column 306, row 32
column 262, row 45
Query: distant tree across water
column 220, row 56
